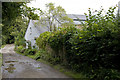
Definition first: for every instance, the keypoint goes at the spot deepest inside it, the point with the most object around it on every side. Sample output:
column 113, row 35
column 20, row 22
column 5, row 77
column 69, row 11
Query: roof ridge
column 75, row 14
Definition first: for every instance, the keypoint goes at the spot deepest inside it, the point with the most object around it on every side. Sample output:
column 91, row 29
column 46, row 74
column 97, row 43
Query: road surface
column 19, row 66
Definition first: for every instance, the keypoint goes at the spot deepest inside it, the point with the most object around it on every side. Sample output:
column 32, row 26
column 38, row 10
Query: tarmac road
column 19, row 66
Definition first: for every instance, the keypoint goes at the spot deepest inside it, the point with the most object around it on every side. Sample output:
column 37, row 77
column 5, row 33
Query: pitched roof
column 77, row 17
column 41, row 29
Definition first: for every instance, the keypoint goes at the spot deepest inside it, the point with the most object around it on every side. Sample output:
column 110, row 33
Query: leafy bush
column 30, row 52
column 20, row 48
column 104, row 74
column 20, row 41
column 95, row 47
column 41, row 54
column 42, row 40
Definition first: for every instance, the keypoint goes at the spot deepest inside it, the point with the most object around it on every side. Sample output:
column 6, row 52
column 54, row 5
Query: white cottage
column 34, row 30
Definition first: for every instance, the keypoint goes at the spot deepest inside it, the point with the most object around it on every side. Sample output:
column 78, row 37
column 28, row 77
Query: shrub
column 42, row 54
column 95, row 47
column 30, row 51
column 20, row 48
column 104, row 74
column 42, row 40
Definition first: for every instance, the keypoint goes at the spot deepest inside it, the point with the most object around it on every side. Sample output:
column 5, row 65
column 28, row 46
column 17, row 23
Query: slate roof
column 41, row 29
column 77, row 19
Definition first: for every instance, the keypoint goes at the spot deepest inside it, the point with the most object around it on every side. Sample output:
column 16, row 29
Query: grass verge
column 2, row 46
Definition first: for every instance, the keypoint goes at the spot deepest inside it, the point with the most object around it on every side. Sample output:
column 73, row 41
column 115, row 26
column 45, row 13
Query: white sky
column 75, row 6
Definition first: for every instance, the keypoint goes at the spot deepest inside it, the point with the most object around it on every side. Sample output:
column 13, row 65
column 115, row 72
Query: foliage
column 20, row 49
column 10, row 10
column 42, row 54
column 93, row 50
column 31, row 13
column 42, row 40
column 30, row 51
column 26, row 51
column 104, row 74
column 14, row 20
column 18, row 31
column 54, row 16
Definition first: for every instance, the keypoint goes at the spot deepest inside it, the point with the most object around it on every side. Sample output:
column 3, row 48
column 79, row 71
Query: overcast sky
column 75, row 6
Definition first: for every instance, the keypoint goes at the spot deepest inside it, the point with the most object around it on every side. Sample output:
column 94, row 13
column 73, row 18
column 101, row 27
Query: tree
column 12, row 12
column 54, row 15
column 30, row 13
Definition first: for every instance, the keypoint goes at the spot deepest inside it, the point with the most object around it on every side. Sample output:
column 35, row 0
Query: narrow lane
column 18, row 66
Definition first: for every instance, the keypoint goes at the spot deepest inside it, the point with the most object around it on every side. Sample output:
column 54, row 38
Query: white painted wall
column 31, row 33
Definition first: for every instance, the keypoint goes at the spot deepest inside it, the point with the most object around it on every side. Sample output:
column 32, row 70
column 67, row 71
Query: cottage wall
column 31, row 33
